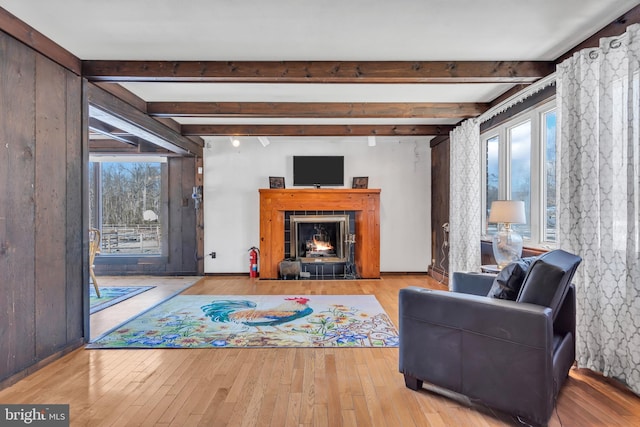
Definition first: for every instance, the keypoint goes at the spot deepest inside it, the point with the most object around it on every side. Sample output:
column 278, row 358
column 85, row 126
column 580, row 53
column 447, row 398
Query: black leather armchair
column 509, row 355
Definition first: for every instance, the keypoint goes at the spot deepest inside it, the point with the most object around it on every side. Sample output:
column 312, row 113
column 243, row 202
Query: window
column 125, row 205
column 519, row 184
column 549, row 196
column 519, row 163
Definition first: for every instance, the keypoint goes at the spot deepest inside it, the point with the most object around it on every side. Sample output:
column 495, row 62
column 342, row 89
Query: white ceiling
column 331, row 30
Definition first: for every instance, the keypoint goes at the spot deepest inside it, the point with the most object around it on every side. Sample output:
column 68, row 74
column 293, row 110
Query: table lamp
column 507, row 244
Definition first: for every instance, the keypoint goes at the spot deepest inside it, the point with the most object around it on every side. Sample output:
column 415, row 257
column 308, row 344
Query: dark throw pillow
column 543, row 285
column 508, row 282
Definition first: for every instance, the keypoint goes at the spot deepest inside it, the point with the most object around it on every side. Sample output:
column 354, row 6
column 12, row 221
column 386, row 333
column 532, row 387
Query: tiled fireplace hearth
column 322, row 242
column 320, row 220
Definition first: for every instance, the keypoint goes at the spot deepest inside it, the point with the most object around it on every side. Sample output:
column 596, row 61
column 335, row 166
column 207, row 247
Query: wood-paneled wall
column 182, row 216
column 439, row 207
column 42, row 262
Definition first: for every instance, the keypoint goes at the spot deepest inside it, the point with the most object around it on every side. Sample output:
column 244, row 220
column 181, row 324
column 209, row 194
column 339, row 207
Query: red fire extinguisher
column 253, row 261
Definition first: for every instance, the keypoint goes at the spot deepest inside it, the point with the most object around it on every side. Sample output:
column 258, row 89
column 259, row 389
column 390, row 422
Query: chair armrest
column 525, row 324
column 472, row 283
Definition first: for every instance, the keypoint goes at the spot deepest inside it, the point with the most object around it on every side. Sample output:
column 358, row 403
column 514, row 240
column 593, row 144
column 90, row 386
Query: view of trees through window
column 125, row 200
column 520, row 164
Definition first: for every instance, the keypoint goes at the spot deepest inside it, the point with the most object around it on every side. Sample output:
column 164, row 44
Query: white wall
column 399, row 166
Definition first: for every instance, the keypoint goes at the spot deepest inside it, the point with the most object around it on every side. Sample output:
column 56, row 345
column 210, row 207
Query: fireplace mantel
column 364, row 202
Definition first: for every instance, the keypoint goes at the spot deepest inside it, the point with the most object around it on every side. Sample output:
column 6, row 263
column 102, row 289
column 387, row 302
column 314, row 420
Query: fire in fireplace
column 319, row 237
column 321, row 242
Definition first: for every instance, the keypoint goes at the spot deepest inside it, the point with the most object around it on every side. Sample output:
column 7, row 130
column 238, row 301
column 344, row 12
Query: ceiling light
column 371, row 140
column 264, row 141
column 234, row 141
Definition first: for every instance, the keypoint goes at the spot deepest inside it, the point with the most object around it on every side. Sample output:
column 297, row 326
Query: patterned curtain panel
column 599, row 199
column 464, row 212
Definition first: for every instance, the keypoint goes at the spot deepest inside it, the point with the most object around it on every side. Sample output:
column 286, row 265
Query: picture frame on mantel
column 360, row 182
column 276, row 182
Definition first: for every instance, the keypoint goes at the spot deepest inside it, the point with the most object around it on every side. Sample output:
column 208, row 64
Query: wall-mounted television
column 318, row 170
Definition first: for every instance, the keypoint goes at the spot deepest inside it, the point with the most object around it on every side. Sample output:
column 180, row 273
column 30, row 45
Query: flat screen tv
column 318, row 170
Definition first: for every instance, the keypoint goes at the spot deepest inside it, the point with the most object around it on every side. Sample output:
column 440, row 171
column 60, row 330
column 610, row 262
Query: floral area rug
column 112, row 295
column 209, row 321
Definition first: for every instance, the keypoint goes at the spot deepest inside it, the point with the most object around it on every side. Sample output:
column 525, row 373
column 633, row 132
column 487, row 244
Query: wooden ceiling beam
column 124, row 94
column 316, row 109
column 97, row 126
column 111, row 110
column 110, row 146
column 114, row 147
column 316, row 130
column 317, row 71
column 135, row 101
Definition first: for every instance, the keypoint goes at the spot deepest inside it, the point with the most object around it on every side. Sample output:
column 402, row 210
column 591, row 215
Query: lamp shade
column 507, row 212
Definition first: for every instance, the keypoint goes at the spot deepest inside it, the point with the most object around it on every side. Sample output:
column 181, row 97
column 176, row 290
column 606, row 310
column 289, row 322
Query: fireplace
column 362, row 206
column 319, row 238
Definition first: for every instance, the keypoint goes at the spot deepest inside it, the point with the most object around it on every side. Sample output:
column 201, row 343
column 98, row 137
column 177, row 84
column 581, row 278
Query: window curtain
column 599, row 208
column 464, row 209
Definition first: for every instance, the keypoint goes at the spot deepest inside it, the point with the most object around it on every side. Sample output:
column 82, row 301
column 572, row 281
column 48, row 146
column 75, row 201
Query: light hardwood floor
column 282, row 387
column 163, row 288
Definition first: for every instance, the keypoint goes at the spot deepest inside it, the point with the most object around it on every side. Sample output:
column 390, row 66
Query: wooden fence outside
column 131, row 239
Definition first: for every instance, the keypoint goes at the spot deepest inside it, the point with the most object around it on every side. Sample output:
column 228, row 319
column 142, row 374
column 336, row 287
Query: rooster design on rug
column 244, row 312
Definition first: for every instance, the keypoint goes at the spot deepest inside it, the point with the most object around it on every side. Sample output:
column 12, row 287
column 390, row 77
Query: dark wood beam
column 114, row 147
column 111, row 110
column 145, row 147
column 137, row 102
column 111, row 146
column 316, row 109
column 318, row 71
column 124, row 94
column 316, row 130
column 19, row 30
column 111, row 132
column 438, row 140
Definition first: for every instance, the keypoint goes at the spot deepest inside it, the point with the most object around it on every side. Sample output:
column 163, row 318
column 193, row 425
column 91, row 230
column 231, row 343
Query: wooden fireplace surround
column 364, row 202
